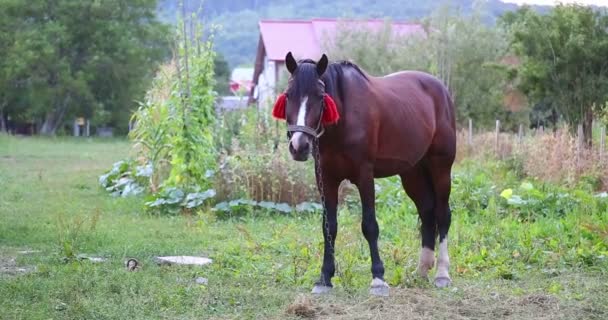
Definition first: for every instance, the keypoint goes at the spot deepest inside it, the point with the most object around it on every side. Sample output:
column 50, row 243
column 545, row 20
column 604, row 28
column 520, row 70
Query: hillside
column 238, row 36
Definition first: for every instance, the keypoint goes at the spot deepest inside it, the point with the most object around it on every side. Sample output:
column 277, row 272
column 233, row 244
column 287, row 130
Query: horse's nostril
column 305, row 148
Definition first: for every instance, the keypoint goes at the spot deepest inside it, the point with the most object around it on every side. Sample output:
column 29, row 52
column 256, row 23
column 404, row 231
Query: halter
column 315, row 133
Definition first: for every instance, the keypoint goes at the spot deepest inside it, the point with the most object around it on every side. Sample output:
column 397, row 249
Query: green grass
column 504, row 263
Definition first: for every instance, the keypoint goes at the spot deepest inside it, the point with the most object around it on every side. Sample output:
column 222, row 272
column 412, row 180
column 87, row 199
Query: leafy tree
column 462, row 51
column 564, row 60
column 239, row 18
column 222, row 75
column 77, row 58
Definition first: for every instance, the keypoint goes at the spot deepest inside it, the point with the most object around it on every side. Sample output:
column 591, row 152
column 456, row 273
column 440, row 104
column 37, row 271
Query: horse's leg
column 441, row 176
column 330, row 231
column 369, row 226
column 418, row 186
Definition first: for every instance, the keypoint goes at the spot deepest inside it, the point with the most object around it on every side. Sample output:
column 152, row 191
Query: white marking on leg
column 443, row 259
column 295, row 139
column 427, row 260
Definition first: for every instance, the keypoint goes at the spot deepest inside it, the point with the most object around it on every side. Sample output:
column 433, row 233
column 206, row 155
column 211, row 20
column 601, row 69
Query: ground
column 264, row 264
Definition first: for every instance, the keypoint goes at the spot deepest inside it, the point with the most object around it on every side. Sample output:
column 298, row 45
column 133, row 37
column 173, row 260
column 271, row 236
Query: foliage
column 256, row 165
column 563, row 59
column 173, row 130
column 239, row 36
column 467, row 56
column 221, row 71
column 122, row 181
column 501, row 262
column 555, row 157
column 66, row 58
column 460, row 50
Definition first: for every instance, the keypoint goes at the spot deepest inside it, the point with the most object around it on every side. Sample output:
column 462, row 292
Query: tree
column 77, row 58
column 462, row 51
column 564, row 60
column 221, row 70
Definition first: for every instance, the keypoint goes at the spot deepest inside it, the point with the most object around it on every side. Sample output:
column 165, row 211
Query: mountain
column 238, row 34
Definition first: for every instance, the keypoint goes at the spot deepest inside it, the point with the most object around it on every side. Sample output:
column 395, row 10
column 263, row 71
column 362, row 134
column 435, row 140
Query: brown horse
column 372, row 127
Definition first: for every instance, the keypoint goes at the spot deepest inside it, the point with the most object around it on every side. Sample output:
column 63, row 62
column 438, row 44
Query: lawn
column 509, row 260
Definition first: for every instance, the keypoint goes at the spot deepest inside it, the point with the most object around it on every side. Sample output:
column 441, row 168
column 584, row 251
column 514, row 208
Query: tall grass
column 548, row 156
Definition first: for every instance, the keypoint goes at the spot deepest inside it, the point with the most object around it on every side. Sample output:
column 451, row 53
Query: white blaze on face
column 443, row 261
column 295, row 139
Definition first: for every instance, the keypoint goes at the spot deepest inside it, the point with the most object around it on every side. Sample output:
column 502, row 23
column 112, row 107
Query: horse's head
column 305, row 105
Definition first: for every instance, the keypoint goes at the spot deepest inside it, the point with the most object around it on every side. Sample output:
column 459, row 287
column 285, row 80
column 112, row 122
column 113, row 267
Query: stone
column 90, row 258
column 183, row 260
column 28, row 251
column 202, row 281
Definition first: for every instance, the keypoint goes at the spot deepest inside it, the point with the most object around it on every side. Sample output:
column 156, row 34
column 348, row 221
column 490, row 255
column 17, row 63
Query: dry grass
column 466, row 301
column 549, row 156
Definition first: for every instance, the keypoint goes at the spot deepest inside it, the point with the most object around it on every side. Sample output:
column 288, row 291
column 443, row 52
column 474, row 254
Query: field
column 516, row 259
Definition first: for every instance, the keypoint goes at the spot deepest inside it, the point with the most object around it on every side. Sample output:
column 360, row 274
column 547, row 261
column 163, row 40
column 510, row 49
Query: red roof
column 305, row 38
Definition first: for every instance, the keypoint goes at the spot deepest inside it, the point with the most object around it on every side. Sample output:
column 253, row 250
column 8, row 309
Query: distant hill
column 238, row 37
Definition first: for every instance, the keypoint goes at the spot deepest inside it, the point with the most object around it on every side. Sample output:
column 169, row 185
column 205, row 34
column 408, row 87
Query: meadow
column 520, row 249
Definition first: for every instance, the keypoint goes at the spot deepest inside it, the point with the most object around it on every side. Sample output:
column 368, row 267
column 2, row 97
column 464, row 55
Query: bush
column 256, row 164
column 173, row 128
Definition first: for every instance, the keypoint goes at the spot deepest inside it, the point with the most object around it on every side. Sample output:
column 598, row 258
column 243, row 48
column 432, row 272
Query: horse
column 361, row 127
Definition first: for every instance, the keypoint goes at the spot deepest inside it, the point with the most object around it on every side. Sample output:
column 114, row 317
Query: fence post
column 520, row 133
column 470, row 138
column 496, row 137
column 579, row 145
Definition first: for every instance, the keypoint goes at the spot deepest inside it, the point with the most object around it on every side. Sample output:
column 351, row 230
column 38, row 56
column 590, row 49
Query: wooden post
column 87, row 129
column 470, row 132
column 579, row 145
column 76, row 129
column 496, row 137
column 520, row 133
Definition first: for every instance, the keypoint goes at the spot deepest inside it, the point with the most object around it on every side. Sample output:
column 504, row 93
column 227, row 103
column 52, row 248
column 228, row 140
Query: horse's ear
column 322, row 65
column 290, row 62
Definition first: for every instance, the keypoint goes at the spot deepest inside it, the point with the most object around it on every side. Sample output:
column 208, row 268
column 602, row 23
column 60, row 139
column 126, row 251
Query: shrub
column 173, row 128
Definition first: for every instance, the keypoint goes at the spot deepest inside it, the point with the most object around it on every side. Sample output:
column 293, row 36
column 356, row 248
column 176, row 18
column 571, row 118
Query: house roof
column 305, row 38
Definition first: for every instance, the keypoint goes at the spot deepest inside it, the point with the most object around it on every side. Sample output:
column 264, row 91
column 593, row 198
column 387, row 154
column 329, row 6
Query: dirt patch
column 9, row 267
column 417, row 303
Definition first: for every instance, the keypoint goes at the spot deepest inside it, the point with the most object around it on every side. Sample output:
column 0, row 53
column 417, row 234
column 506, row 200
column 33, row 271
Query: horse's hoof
column 321, row 289
column 379, row 288
column 442, row 282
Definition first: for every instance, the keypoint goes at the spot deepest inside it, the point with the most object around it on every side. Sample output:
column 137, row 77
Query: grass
column 503, row 265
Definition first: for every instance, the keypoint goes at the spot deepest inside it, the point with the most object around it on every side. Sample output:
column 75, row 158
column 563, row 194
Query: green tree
column 222, row 75
column 564, row 60
column 78, row 58
column 462, row 51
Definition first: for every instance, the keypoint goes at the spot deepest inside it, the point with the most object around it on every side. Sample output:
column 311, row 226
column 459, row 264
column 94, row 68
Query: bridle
column 315, row 133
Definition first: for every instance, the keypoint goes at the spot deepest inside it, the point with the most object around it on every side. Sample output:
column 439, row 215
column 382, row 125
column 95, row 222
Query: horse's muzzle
column 300, row 147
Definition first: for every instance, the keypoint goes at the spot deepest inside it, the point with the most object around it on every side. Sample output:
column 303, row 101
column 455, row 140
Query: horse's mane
column 334, row 75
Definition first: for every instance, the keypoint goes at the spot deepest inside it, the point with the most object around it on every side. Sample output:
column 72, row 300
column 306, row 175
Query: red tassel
column 330, row 114
column 279, row 107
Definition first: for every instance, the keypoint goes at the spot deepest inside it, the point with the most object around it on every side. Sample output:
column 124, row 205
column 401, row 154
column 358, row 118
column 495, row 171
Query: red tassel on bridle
column 330, row 114
column 279, row 107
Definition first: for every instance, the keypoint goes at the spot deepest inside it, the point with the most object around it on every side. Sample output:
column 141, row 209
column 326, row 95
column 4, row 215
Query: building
column 305, row 39
column 241, row 81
